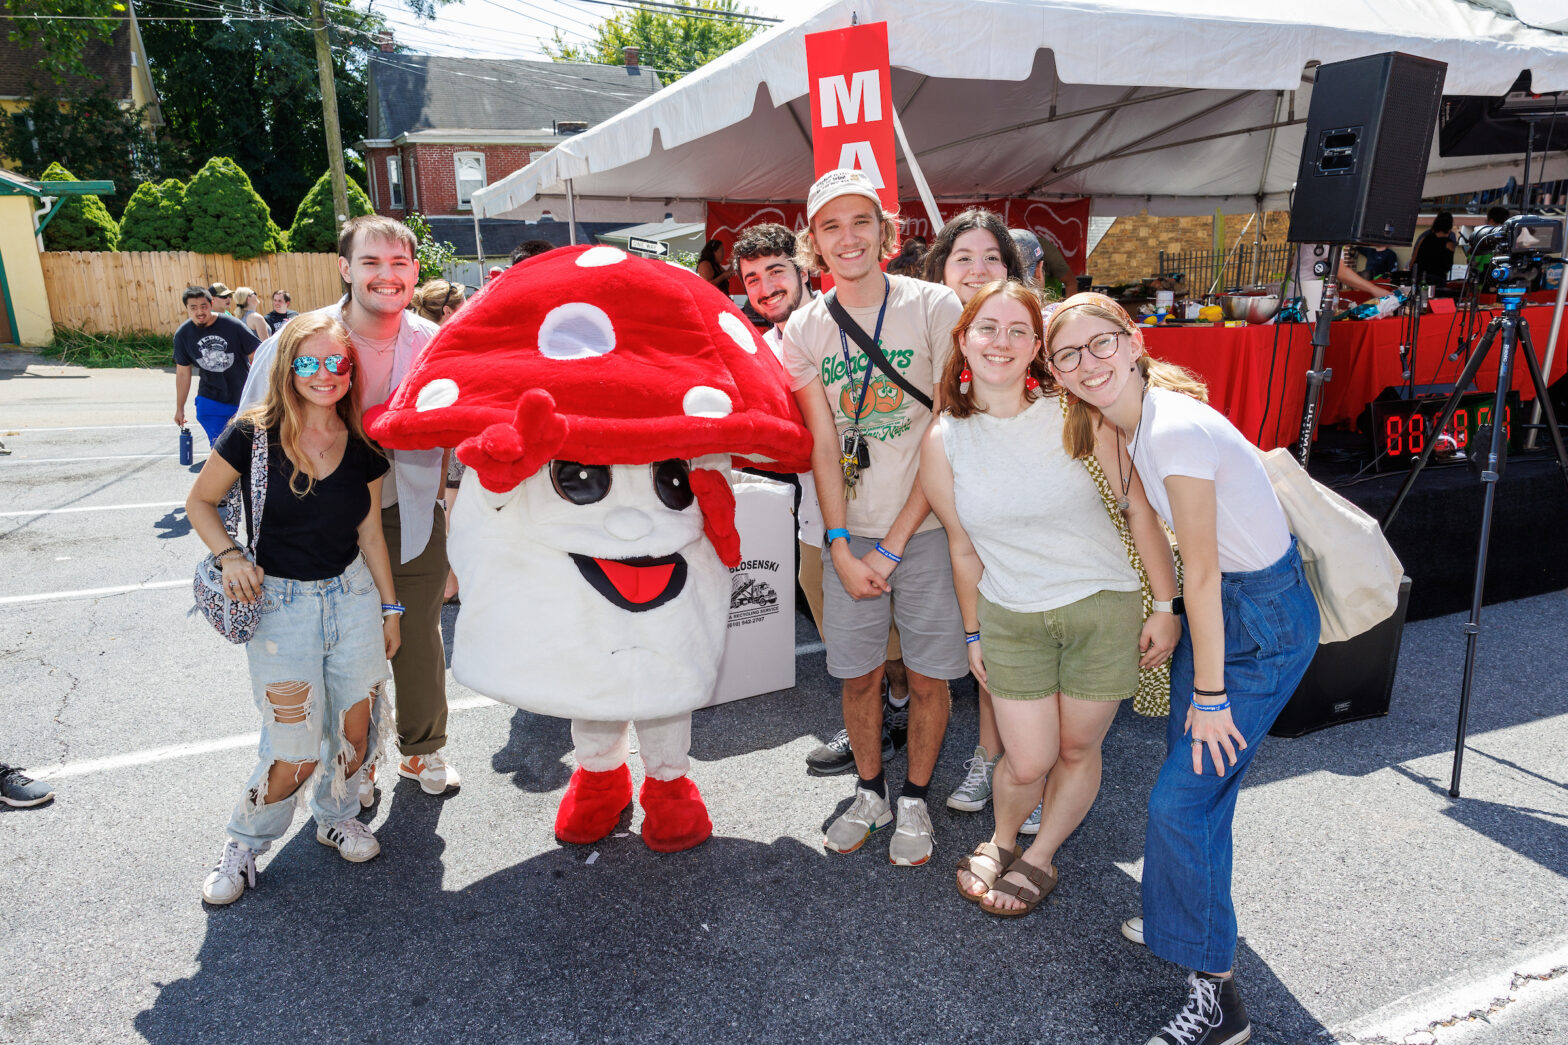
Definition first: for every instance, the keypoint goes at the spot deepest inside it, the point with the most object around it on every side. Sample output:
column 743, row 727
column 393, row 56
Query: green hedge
column 83, row 222
column 155, row 217
column 227, row 216
column 314, row 231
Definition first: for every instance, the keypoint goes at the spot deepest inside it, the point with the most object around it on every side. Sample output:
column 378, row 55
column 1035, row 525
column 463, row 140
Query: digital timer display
column 1401, row 428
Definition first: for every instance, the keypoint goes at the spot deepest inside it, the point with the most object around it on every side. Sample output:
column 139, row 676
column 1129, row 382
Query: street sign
column 652, row 247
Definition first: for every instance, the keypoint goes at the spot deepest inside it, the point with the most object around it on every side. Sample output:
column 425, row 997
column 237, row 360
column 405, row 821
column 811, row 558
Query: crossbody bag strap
column 258, row 484
column 873, row 351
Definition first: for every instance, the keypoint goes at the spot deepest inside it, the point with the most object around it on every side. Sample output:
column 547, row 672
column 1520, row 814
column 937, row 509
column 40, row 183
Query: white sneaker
column 867, row 814
column 351, row 839
column 236, row 868
column 365, row 783
column 972, row 795
column 1132, row 928
column 431, row 770
column 912, row 839
column 1032, row 825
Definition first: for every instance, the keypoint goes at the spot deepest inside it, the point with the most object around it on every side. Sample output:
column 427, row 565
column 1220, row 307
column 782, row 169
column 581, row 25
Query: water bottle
column 187, row 447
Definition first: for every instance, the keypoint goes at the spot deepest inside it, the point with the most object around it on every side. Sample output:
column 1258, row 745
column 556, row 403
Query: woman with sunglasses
column 329, row 613
column 1052, row 608
column 1251, row 629
column 970, row 251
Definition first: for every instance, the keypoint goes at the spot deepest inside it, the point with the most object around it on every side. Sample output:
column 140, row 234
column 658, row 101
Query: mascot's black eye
column 580, row 483
column 673, row 484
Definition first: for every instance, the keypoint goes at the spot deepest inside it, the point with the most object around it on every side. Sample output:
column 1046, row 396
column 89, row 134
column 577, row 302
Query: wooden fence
column 112, row 292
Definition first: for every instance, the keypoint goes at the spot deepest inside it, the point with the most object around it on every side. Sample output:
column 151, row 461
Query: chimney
column 632, row 55
column 384, row 40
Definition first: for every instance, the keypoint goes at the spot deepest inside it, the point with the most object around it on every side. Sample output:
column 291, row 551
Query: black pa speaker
column 1363, row 161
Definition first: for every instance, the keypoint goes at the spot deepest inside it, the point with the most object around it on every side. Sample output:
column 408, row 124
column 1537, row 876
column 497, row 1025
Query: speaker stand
column 1318, row 374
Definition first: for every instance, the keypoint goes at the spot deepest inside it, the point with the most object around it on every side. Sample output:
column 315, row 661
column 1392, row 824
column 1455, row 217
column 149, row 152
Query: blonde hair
column 807, row 259
column 283, row 409
column 960, row 403
column 1078, row 433
column 243, row 296
column 432, row 299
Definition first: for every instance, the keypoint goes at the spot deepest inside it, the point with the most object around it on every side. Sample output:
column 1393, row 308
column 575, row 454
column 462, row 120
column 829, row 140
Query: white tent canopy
column 1137, row 106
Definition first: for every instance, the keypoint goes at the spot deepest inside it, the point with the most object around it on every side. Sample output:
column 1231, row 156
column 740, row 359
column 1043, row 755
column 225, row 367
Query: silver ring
column 1197, row 743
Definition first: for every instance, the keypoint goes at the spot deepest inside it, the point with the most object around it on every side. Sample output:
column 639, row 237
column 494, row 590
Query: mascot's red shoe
column 593, row 804
column 674, row 815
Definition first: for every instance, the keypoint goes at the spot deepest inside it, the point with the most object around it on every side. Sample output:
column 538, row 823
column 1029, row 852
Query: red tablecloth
column 1257, row 376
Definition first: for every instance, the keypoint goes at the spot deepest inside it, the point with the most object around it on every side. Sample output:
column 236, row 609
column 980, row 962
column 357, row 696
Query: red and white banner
column 1064, row 223
column 852, row 105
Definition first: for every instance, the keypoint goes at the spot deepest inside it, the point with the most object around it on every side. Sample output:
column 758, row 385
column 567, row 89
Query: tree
column 155, row 217
column 314, row 231
column 431, row 252
column 671, row 44
column 62, row 39
column 226, row 215
column 83, row 222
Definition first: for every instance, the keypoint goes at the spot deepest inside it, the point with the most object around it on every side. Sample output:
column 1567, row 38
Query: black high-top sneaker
column 1213, row 1015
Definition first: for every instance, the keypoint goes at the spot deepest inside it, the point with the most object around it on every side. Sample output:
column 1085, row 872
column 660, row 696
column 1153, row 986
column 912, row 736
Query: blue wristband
column 1210, row 707
column 970, row 640
column 390, row 608
column 889, row 555
column 837, row 532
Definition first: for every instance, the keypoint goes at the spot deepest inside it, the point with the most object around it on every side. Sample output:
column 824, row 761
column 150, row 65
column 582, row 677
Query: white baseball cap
column 845, row 181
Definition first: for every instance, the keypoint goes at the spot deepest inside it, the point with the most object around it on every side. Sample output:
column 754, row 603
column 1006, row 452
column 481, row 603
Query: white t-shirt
column 808, row 520
column 1032, row 513
column 1178, row 435
column 917, row 337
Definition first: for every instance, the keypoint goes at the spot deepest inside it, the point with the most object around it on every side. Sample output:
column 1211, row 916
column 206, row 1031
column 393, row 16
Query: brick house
column 440, row 128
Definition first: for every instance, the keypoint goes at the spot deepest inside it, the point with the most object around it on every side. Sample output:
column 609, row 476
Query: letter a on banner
column 852, row 105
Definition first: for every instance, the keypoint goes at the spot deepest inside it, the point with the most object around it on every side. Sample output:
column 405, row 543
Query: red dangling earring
column 963, row 381
column 1031, row 383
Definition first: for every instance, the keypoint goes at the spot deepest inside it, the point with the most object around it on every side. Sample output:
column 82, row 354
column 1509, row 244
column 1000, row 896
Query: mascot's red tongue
column 638, row 584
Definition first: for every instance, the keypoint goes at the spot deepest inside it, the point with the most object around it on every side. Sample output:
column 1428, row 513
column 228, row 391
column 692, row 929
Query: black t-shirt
column 220, row 352
column 1433, row 257
column 275, row 320
column 308, row 538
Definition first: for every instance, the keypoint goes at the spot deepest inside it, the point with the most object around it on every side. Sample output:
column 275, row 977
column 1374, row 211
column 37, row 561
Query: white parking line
column 13, row 461
column 203, row 747
column 94, row 508
column 79, row 428
column 90, row 593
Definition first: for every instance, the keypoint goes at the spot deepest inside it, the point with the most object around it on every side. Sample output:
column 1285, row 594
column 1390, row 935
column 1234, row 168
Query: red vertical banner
column 852, row 105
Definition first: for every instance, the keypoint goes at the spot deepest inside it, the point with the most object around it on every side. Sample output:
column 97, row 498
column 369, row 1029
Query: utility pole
column 329, row 115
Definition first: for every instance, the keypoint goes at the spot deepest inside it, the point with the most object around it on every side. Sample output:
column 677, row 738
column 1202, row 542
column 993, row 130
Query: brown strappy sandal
column 1000, row 858
column 1038, row 885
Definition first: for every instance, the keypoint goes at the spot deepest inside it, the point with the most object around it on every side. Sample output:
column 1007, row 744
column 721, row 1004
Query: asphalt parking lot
column 1373, row 907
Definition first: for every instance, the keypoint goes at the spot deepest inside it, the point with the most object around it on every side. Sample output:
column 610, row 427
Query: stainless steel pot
column 1252, row 308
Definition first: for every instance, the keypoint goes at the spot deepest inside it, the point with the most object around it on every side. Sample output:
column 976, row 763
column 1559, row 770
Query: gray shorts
column 921, row 603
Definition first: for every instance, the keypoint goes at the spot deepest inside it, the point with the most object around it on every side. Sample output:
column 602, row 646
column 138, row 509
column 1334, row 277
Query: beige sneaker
column 869, row 813
column 912, row 839
column 432, row 772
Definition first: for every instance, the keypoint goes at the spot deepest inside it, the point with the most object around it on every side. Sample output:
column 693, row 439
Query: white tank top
column 1032, row 513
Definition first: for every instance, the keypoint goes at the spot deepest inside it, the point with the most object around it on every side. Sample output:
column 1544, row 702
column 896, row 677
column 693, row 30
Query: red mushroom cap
column 594, row 355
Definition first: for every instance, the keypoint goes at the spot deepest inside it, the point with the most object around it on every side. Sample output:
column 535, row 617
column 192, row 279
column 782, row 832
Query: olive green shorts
column 1087, row 650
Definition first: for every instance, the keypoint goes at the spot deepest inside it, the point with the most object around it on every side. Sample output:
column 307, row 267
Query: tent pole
column 1257, row 243
column 1551, row 354
column 479, row 243
column 571, row 213
column 916, row 173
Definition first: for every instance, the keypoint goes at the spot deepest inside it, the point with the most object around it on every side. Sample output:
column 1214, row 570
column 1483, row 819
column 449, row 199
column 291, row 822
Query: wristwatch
column 1174, row 606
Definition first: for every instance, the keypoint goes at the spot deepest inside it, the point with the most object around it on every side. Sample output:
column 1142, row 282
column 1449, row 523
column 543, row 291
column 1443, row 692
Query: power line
column 656, row 6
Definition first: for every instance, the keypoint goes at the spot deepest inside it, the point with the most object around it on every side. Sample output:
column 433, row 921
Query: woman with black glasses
column 1052, row 608
column 318, row 564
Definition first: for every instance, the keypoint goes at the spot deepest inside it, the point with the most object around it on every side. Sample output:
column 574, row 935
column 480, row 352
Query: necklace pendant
column 1122, row 503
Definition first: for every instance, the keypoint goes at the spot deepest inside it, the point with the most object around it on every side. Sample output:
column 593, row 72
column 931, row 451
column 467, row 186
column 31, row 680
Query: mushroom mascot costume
column 598, row 399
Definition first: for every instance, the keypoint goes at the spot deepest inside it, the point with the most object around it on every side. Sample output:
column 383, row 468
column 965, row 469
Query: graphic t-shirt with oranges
column 917, row 337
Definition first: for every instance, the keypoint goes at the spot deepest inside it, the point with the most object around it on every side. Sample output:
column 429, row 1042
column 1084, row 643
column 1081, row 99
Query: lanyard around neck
column 876, row 338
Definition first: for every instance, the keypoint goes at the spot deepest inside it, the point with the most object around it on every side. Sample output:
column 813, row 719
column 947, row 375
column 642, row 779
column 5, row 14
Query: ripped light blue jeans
column 317, row 652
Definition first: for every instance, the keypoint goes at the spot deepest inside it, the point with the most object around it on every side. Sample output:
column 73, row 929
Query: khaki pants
column 811, row 584
column 419, row 669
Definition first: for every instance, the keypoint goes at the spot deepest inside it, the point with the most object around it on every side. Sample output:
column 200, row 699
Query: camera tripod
column 1493, row 439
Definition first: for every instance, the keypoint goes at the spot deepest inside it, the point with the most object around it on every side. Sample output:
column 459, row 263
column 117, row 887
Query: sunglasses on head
column 306, row 366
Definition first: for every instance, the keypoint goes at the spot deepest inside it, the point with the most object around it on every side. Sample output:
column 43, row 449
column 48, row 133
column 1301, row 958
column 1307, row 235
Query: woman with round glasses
column 329, row 613
column 1052, row 608
column 972, row 250
column 1251, row 629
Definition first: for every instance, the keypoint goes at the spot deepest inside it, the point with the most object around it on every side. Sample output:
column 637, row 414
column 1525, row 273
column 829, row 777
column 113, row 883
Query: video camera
column 1516, row 250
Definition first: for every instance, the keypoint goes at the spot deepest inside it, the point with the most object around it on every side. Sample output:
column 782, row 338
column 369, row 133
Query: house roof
column 110, row 59
column 414, row 92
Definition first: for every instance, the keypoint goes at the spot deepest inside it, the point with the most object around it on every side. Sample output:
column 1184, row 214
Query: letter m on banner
column 852, row 105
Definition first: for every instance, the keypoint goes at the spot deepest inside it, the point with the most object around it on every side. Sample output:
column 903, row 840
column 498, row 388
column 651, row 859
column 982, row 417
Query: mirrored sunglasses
column 306, row 366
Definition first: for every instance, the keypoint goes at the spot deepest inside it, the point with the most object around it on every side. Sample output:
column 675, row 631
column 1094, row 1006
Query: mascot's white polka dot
column 598, row 257
column 576, row 330
column 739, row 330
column 438, row 393
column 702, row 401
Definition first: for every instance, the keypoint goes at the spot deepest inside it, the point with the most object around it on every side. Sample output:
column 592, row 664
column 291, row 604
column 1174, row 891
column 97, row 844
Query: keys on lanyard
column 854, row 458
